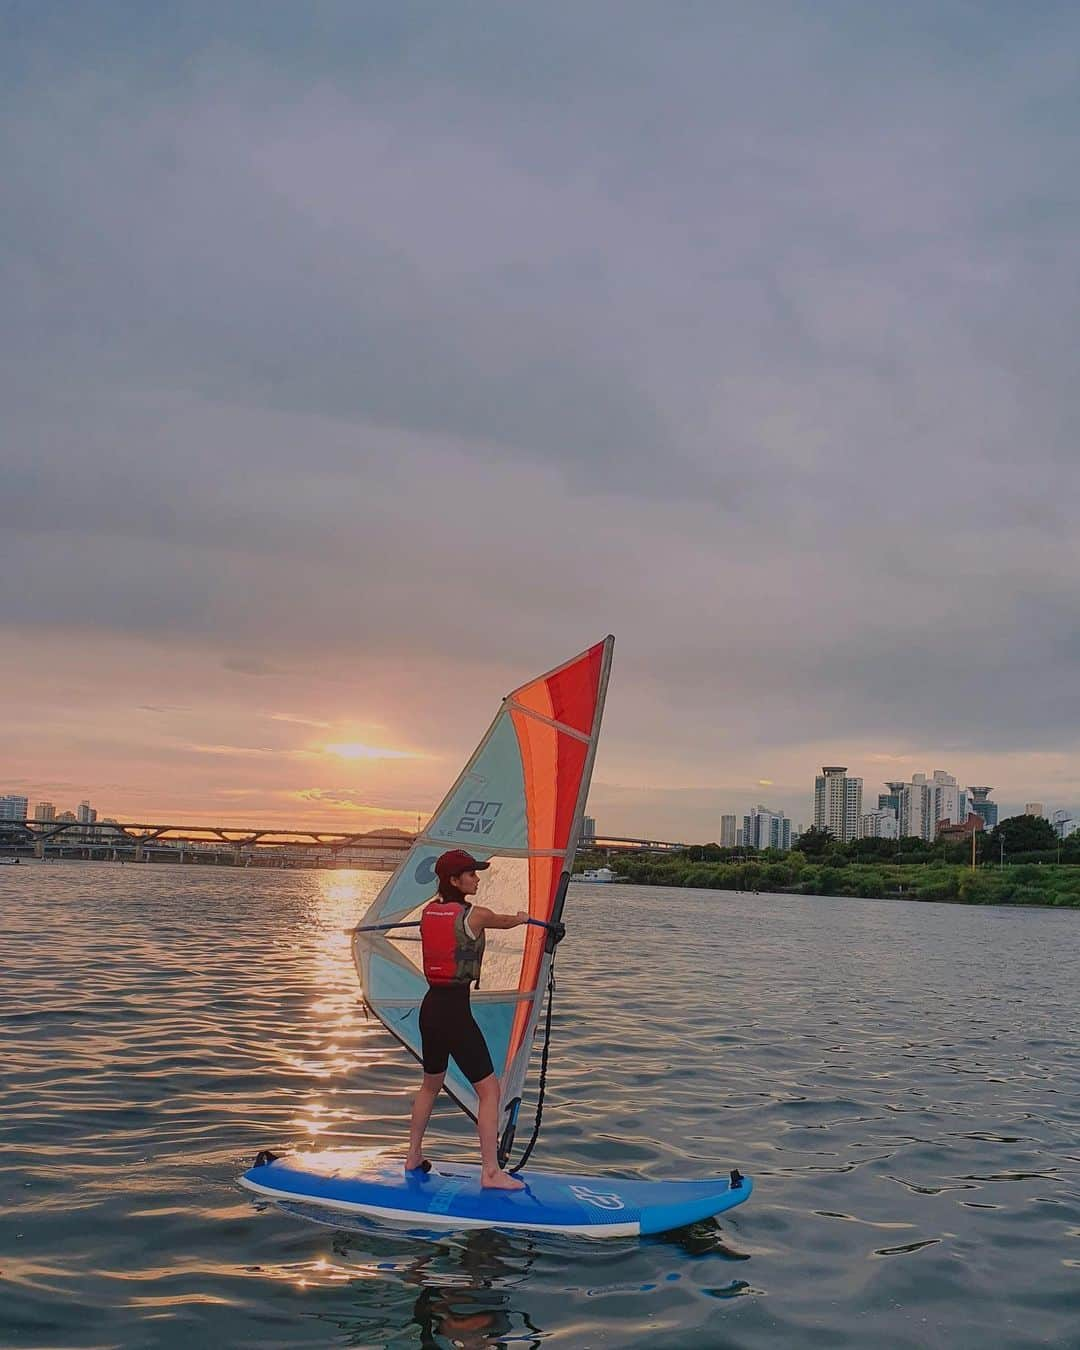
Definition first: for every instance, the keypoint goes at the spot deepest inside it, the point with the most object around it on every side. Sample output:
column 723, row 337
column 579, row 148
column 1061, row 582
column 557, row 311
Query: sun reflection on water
column 337, row 1043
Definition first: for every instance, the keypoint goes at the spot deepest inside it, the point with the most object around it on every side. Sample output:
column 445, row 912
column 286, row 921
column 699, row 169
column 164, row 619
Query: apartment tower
column 837, row 802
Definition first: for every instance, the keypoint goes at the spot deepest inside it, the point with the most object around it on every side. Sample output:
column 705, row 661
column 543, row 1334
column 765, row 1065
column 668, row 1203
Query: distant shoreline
column 1048, row 885
column 269, row 865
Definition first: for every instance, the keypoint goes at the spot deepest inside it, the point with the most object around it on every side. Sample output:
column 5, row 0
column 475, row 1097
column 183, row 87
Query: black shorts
column 448, row 1029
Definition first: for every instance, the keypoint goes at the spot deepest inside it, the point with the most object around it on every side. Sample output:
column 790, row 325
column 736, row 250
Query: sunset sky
column 362, row 360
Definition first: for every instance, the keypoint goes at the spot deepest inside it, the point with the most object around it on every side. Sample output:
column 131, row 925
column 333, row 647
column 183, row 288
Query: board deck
column 450, row 1195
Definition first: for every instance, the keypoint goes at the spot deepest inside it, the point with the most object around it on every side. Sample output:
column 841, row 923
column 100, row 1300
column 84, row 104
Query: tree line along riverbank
column 1013, row 884
column 1021, row 861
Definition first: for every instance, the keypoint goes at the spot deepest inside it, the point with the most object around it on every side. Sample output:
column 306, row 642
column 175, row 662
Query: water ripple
column 901, row 1081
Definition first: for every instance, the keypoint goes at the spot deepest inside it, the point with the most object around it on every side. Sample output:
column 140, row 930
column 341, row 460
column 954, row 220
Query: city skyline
column 361, row 364
column 800, row 814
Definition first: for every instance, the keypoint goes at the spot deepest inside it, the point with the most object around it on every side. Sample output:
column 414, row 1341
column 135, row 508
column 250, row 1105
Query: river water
column 901, row 1080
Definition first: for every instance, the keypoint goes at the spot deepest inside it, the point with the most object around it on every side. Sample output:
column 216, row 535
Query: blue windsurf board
column 451, row 1197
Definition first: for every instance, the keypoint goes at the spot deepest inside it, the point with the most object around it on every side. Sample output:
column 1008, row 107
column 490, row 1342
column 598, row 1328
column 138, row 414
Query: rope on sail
column 527, row 1152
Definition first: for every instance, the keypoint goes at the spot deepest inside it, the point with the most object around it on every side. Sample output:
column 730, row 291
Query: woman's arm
column 481, row 918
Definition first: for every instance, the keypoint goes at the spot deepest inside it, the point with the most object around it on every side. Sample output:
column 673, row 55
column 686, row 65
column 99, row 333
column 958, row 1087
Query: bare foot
column 417, row 1163
column 500, row 1181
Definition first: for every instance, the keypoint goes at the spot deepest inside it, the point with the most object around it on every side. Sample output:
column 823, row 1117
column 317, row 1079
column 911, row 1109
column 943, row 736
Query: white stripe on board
column 417, row 1218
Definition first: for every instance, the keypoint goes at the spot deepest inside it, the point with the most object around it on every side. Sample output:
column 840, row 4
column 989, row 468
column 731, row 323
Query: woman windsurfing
column 452, row 938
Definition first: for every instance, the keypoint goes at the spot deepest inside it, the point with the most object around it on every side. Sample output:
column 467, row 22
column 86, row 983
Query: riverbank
column 1021, row 884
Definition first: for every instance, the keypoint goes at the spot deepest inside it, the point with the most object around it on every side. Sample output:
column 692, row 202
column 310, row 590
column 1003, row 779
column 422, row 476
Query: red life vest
column 451, row 955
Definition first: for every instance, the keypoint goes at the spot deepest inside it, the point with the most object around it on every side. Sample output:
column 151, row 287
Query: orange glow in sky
column 149, row 731
column 357, row 750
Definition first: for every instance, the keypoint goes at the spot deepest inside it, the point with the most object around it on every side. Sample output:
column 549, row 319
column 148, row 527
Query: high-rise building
column 44, row 811
column 920, row 804
column 890, row 801
column 588, row 829
column 13, row 807
column 728, row 832
column 763, row 828
column 880, row 824
column 946, row 803
column 1063, row 824
column 917, row 808
column 982, row 806
column 87, row 815
column 1033, row 809
column 837, row 802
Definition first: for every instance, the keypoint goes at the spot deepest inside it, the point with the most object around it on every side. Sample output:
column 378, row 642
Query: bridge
column 238, row 846
column 612, row 843
column 243, row 846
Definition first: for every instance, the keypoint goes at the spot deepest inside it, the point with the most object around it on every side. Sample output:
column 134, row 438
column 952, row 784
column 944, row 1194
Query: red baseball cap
column 455, row 862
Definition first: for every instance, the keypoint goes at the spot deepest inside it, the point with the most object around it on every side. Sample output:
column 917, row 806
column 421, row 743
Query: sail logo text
column 479, row 817
column 598, row 1198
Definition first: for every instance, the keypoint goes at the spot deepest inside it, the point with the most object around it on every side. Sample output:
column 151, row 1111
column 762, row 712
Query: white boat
column 596, row 874
column 9, row 862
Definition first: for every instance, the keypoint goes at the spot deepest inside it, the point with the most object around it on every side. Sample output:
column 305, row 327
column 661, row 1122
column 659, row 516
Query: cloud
column 371, row 804
column 232, row 750
column 249, row 665
column 358, row 750
column 380, row 361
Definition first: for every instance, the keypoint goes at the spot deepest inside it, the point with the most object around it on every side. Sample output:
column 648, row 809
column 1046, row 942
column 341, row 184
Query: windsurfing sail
column 518, row 804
